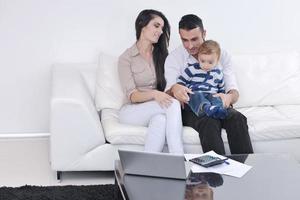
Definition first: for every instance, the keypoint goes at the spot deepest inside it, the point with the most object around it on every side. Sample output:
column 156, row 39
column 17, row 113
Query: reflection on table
column 199, row 186
column 153, row 188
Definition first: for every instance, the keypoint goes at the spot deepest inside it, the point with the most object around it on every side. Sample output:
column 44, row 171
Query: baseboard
column 23, row 135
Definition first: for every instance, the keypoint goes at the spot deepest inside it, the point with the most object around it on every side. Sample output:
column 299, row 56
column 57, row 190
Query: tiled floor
column 26, row 162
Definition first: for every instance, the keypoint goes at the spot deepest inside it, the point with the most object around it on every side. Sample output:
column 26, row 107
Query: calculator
column 208, row 161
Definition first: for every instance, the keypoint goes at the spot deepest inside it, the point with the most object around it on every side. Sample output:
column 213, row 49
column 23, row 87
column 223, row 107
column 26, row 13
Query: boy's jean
column 199, row 99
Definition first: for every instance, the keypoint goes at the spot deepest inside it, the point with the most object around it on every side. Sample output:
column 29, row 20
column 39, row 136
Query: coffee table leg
column 58, row 176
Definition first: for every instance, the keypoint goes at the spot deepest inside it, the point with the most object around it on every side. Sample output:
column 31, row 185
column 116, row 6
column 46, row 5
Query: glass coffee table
column 272, row 177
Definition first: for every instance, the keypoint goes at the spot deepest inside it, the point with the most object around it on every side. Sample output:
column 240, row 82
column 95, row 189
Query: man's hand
column 181, row 92
column 228, row 99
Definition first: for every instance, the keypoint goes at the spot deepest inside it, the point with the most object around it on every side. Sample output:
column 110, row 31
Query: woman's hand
column 163, row 99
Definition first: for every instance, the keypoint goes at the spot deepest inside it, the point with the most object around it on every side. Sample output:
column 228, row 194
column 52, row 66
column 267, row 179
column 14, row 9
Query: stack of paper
column 231, row 167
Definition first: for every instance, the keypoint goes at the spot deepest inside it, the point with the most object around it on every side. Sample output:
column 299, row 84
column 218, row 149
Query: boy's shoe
column 210, row 110
column 221, row 113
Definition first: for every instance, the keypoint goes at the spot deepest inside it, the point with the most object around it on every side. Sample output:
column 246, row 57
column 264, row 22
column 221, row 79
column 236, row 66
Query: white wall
column 34, row 34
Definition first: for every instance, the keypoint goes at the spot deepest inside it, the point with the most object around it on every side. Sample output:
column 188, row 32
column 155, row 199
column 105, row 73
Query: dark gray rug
column 92, row 192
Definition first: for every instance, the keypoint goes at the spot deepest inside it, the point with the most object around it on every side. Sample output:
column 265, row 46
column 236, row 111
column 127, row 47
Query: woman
column 141, row 71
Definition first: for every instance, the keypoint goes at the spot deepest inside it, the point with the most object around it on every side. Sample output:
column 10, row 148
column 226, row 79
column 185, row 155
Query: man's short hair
column 190, row 21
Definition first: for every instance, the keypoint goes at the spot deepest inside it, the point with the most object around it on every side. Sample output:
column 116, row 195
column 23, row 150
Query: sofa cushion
column 265, row 123
column 89, row 76
column 273, row 122
column 262, row 79
column 117, row 133
column 108, row 93
column 268, row 79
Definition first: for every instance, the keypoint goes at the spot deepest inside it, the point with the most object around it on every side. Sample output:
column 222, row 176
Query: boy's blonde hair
column 209, row 47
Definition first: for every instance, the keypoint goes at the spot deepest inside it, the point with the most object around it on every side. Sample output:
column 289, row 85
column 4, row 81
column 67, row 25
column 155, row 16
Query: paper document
column 231, row 167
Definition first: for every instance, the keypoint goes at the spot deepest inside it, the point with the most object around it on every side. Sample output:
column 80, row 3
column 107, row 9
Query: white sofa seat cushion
column 291, row 112
column 117, row 133
column 265, row 123
column 190, row 136
column 273, row 122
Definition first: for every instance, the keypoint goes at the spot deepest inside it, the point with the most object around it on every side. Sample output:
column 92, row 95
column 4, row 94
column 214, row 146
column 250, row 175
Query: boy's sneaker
column 210, row 110
column 221, row 113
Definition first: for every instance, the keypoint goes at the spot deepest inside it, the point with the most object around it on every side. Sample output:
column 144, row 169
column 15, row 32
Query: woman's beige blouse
column 135, row 72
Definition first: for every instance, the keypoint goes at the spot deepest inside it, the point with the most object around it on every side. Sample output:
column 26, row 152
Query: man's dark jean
column 209, row 130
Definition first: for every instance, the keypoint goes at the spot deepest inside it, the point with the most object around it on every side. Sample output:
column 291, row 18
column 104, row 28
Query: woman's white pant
column 163, row 123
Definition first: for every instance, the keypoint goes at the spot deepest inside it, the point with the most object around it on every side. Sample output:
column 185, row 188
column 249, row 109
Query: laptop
column 153, row 164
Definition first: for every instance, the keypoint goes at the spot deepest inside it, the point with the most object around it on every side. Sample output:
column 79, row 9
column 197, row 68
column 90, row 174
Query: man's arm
column 172, row 72
column 231, row 87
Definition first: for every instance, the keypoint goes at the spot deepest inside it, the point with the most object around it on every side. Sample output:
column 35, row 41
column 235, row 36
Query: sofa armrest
column 74, row 121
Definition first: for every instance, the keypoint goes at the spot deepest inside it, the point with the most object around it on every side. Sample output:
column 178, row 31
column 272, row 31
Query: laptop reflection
column 153, row 188
column 198, row 186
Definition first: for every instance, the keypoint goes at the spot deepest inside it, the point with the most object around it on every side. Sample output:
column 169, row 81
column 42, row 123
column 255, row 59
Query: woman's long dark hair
column 160, row 50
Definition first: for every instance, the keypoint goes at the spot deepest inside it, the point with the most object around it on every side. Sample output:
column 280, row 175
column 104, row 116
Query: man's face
column 202, row 193
column 192, row 39
column 199, row 192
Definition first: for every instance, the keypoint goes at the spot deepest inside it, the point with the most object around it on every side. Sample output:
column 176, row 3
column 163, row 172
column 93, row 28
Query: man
column 192, row 34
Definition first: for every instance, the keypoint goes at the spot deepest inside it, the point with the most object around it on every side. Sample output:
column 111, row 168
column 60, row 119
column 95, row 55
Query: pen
column 225, row 161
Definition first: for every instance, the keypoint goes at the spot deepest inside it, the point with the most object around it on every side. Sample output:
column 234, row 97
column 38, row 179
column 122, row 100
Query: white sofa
column 84, row 139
